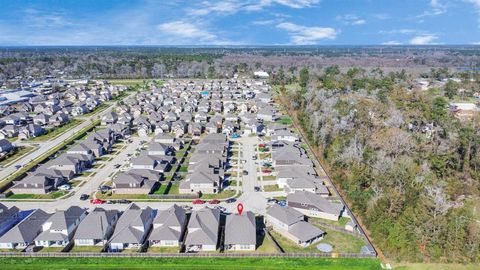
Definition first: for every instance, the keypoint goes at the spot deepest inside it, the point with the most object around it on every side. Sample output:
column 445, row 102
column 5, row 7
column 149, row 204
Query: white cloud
column 228, row 7
column 476, row 5
column 403, row 31
column 424, row 39
column 303, row 35
column 392, row 42
column 185, row 32
column 350, row 19
column 437, row 8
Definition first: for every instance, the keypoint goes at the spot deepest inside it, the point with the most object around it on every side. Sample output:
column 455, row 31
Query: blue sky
column 247, row 22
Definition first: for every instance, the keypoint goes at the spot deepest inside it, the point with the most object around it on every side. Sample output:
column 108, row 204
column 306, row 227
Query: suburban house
column 168, row 227
column 37, row 184
column 291, row 224
column 133, row 183
column 6, row 146
column 96, row 227
column 132, row 228
column 240, row 232
column 58, row 230
column 314, row 205
column 24, row 233
column 202, row 230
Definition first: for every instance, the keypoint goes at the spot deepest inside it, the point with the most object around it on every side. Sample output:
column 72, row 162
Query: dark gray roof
column 27, row 229
column 203, row 227
column 286, row 215
column 240, row 229
column 95, row 225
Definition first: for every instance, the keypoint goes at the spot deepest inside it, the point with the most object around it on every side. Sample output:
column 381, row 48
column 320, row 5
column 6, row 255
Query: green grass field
column 189, row 263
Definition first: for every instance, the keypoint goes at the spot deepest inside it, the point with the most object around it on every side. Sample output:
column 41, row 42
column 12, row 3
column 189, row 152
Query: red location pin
column 239, row 208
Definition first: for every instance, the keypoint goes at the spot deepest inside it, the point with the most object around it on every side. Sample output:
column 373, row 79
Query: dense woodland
column 408, row 167
column 161, row 62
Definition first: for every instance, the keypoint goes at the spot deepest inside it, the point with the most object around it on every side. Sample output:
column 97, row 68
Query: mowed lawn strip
column 190, row 263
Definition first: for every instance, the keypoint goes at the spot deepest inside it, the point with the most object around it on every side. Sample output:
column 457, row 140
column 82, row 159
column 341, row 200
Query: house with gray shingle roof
column 24, row 233
column 96, row 227
column 58, row 229
column 291, row 224
column 168, row 227
column 240, row 232
column 132, row 228
column 314, row 205
column 202, row 231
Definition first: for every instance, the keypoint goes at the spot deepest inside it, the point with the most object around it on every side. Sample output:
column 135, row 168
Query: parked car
column 84, row 197
column 65, row 187
column 271, row 201
column 18, row 166
column 261, row 145
column 124, row 201
column 117, row 166
column 231, row 200
column 282, row 203
column 198, row 201
column 254, row 157
column 97, row 201
column 245, row 172
column 111, row 202
column 256, row 188
column 214, row 201
column 105, row 188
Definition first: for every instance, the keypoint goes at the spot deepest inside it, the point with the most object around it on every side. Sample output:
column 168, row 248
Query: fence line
column 180, row 255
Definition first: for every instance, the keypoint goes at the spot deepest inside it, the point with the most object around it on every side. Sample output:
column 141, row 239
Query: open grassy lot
column 57, row 131
column 19, row 152
column 127, row 82
column 435, row 266
column 189, row 263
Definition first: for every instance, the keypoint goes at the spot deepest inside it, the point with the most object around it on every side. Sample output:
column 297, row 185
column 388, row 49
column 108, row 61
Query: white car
column 65, row 187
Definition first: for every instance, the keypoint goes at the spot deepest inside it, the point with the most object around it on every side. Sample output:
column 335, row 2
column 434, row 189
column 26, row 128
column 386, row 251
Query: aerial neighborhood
column 165, row 167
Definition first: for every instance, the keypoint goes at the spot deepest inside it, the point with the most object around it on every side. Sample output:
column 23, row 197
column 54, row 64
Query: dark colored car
column 124, row 201
column 231, row 200
column 84, row 197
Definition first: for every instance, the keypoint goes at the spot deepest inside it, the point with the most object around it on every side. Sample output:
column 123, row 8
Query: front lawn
column 222, row 195
column 268, row 188
column 51, row 195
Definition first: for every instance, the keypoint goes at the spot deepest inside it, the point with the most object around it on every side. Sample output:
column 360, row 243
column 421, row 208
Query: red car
column 97, row 201
column 261, row 145
column 198, row 201
column 214, row 201
column 266, row 171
